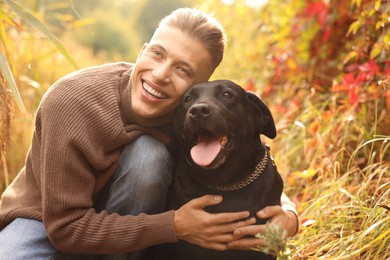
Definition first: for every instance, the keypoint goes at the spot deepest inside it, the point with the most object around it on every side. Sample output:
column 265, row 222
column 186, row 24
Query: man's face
column 166, row 67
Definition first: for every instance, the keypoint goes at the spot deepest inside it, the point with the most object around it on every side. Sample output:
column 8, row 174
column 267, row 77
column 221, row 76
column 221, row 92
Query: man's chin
column 142, row 112
column 146, row 112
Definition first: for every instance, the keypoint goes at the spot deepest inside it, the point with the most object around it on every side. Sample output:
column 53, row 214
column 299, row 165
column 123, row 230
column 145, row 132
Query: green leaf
column 32, row 20
column 5, row 69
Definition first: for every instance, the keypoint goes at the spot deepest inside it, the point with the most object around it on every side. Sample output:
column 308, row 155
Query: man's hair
column 201, row 27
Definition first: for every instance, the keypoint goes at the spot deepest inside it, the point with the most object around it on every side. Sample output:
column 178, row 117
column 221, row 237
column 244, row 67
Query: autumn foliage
column 337, row 56
column 336, row 68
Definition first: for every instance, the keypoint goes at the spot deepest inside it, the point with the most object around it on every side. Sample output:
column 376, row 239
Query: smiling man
column 99, row 166
column 164, row 70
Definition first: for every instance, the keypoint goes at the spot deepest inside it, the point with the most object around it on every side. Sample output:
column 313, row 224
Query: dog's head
column 219, row 120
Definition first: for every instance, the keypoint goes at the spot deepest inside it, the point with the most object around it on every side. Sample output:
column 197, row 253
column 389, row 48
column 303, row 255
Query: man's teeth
column 152, row 91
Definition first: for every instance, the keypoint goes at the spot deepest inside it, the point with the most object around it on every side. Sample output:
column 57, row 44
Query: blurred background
column 322, row 66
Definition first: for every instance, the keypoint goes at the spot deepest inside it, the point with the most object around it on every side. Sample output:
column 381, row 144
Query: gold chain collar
column 260, row 167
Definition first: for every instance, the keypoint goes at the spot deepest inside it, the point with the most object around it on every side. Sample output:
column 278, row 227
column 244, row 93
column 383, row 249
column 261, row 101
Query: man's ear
column 265, row 120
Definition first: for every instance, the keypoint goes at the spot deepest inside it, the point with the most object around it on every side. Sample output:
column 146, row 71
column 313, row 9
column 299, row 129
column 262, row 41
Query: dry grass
column 335, row 161
column 349, row 218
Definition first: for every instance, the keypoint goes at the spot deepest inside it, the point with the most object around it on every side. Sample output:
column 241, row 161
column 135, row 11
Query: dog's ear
column 267, row 123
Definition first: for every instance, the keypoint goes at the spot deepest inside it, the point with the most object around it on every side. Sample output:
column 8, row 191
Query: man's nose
column 162, row 73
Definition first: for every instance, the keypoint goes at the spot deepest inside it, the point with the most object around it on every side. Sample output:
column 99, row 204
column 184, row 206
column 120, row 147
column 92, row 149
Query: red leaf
column 370, row 67
column 327, row 34
column 318, row 10
column 267, row 89
column 280, row 109
column 250, row 85
column 353, row 96
column 348, row 79
column 352, row 84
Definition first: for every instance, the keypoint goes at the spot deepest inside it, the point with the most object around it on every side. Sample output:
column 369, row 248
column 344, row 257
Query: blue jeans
column 140, row 184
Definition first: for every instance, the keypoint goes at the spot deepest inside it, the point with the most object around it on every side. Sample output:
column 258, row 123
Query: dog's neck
column 259, row 169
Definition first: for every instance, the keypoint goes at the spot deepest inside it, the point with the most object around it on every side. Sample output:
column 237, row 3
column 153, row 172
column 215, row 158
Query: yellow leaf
column 386, row 40
column 354, row 27
column 376, row 50
column 306, row 174
column 291, row 64
column 379, row 25
column 358, row 3
column 377, row 5
column 351, row 55
column 371, row 12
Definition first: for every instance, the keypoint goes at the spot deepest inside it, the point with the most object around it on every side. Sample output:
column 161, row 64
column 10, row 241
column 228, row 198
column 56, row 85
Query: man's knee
column 142, row 179
column 25, row 239
column 148, row 155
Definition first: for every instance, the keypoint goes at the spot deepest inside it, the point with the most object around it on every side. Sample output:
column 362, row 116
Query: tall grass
column 343, row 189
column 347, row 217
column 32, row 58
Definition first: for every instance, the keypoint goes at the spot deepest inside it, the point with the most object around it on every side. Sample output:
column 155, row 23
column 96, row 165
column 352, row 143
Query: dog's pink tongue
column 205, row 151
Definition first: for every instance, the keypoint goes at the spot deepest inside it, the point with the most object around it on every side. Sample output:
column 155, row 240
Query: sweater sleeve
column 70, row 162
column 287, row 204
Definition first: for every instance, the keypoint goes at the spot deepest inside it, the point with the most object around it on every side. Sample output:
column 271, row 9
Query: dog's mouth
column 207, row 147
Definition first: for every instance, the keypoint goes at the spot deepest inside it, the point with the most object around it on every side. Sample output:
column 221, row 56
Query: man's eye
column 157, row 53
column 184, row 71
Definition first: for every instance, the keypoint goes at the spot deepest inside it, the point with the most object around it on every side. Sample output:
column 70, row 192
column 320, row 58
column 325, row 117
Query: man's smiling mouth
column 151, row 91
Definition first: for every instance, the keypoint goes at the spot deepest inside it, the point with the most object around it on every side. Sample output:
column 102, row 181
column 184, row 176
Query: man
column 99, row 167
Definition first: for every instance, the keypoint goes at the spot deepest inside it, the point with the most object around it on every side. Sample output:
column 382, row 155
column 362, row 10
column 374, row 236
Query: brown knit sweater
column 81, row 125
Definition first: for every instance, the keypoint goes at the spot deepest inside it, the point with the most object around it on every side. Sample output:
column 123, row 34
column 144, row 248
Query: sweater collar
column 128, row 114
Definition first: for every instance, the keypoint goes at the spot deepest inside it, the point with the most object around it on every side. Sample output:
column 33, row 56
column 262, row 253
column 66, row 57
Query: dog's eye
column 227, row 94
column 187, row 99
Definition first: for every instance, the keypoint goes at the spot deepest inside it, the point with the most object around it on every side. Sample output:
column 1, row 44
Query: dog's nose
column 200, row 111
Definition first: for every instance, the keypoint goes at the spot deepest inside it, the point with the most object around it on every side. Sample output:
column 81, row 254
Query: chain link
column 260, row 167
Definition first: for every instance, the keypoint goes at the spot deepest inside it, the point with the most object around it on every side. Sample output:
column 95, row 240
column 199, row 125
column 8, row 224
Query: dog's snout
column 200, row 110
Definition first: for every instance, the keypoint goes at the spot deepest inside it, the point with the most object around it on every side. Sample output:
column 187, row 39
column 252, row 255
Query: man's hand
column 287, row 220
column 207, row 230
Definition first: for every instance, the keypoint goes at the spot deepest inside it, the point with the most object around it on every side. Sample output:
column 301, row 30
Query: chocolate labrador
column 217, row 127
